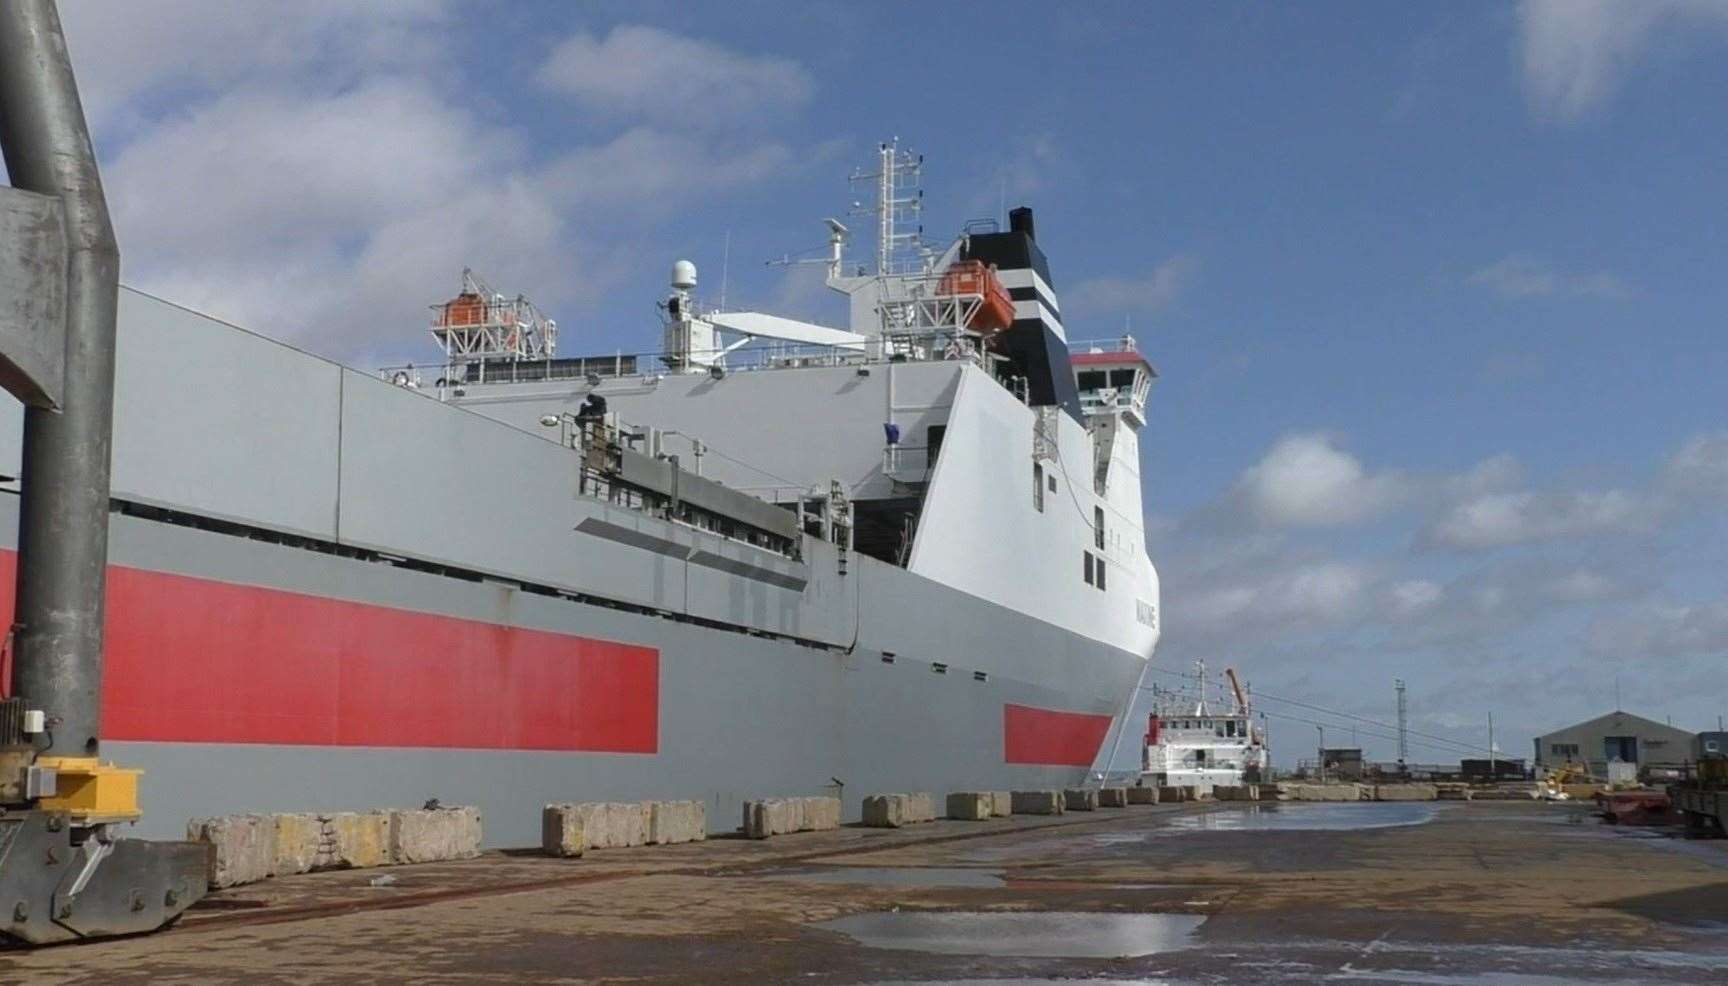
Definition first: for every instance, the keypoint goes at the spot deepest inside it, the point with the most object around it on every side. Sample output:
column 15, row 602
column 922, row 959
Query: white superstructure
column 973, row 444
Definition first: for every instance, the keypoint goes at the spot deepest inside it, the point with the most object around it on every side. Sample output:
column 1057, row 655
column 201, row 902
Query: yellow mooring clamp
column 91, row 791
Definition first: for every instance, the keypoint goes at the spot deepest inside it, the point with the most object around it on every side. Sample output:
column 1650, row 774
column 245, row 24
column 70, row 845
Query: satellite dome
column 683, row 275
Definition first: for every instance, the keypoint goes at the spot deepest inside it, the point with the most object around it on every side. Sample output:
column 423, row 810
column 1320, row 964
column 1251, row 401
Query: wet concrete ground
column 1522, row 893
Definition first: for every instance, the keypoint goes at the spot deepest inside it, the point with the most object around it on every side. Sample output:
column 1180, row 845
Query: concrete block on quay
column 970, row 806
column 355, row 839
column 1453, row 792
column 593, row 825
column 1406, row 792
column 432, row 835
column 819, row 814
column 1001, row 804
column 1171, row 795
column 562, row 832
column 242, row 847
column 1112, row 797
column 772, row 816
column 299, row 843
column 920, row 807
column 1037, row 802
column 886, row 811
column 673, row 822
column 1080, row 799
column 1142, row 795
column 1328, row 792
column 1237, row 792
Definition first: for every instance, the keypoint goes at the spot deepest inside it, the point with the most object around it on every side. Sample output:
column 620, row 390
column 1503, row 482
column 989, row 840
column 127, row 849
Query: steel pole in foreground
column 63, row 525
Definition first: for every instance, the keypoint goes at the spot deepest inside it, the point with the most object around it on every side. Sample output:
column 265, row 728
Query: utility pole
column 1491, row 772
column 1321, row 759
column 1403, row 723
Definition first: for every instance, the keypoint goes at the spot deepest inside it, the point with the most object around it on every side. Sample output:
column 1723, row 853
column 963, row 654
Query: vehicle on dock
column 1702, row 795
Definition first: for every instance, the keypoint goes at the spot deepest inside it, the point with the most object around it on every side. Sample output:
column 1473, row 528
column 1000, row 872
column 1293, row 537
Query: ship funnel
column 1020, row 221
column 684, row 275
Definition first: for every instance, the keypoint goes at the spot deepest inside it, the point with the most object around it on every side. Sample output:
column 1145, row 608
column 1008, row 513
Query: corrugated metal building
column 1615, row 736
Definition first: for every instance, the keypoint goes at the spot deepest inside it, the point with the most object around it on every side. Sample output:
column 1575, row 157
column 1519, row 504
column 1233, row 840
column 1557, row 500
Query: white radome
column 683, row 275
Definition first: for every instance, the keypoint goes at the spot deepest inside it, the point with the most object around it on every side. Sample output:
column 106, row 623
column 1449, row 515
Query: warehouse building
column 1615, row 736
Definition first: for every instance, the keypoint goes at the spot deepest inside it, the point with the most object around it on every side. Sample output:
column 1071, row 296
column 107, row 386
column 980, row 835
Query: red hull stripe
column 200, row 661
column 1046, row 736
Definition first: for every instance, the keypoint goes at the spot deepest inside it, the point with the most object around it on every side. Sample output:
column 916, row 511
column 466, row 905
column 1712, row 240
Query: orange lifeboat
column 973, row 277
column 466, row 309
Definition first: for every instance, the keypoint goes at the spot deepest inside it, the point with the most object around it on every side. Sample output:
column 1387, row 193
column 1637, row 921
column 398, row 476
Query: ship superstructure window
column 1098, row 528
column 1094, row 570
column 1038, row 486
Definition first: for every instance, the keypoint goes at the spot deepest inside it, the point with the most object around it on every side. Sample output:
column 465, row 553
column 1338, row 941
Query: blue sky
column 1436, row 290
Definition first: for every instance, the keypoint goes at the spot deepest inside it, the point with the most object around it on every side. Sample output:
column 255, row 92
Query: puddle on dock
column 895, row 876
column 1301, row 818
column 1043, row 934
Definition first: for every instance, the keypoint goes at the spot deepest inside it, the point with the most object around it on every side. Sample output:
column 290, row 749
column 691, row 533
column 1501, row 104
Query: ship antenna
column 725, row 266
column 899, row 202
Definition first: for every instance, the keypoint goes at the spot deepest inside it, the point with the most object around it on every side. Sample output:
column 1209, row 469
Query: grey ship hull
column 259, row 665
column 739, row 716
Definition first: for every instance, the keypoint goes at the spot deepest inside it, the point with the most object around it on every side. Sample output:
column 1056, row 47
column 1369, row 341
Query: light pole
column 1321, row 759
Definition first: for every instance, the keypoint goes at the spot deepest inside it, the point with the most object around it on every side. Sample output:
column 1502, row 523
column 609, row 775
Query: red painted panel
column 196, row 660
column 1046, row 736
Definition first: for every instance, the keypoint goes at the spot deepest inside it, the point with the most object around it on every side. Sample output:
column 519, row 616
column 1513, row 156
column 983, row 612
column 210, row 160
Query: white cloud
column 1307, row 480
column 1700, row 467
column 1498, row 520
column 1663, row 630
column 1283, row 599
column 305, row 177
column 123, row 49
column 1412, row 597
column 1155, row 291
column 1492, row 511
column 1576, row 53
column 1524, row 276
column 671, row 79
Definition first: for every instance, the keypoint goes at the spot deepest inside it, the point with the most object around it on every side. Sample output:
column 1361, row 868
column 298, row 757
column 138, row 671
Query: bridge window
column 1098, row 528
column 1038, row 486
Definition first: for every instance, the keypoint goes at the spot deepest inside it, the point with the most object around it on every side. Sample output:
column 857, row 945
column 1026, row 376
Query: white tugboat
column 1188, row 743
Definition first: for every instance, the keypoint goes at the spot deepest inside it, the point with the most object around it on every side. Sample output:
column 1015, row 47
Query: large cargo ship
column 771, row 557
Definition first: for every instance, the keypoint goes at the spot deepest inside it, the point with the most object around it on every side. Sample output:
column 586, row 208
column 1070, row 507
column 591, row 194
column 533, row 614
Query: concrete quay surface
column 1240, row 892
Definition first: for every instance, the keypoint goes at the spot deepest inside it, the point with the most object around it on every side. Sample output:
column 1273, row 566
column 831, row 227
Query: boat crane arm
column 1241, row 699
column 763, row 326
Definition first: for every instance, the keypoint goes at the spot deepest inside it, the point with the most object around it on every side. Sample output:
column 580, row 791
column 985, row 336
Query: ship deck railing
column 1119, row 344
column 912, row 346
